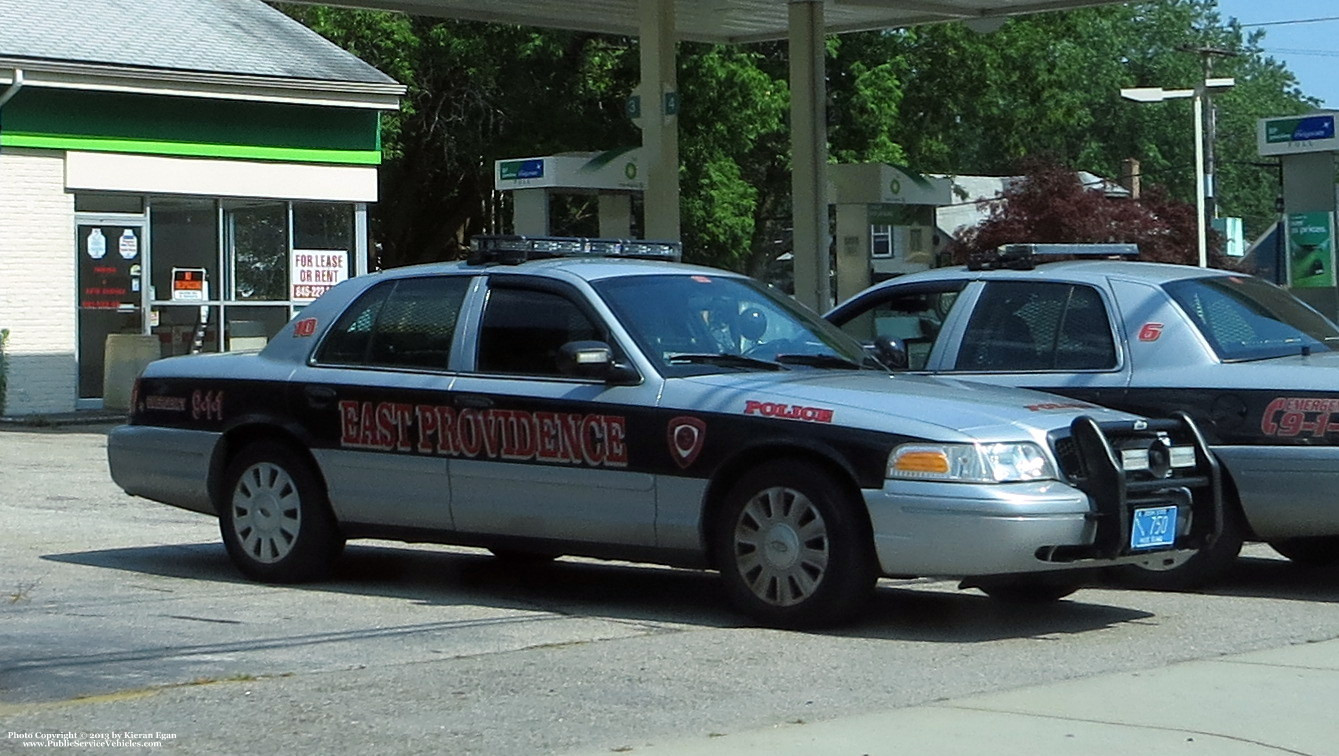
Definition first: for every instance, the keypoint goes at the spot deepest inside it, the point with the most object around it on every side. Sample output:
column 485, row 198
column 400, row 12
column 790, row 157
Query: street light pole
column 1199, row 95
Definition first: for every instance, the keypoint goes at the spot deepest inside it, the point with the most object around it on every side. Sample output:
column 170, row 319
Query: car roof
column 1075, row 270
column 585, row 268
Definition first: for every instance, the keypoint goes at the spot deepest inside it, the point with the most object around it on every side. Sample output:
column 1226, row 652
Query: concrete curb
column 1268, row 702
column 63, row 419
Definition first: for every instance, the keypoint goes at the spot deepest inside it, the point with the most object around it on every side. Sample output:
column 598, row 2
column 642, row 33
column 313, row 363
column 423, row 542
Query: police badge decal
column 686, row 436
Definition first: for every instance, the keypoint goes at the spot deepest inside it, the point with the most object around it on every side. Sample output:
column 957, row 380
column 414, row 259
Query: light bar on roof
column 513, row 250
column 1074, row 250
column 1028, row 256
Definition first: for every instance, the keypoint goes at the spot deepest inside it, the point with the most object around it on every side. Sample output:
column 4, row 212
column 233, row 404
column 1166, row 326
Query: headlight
column 970, row 463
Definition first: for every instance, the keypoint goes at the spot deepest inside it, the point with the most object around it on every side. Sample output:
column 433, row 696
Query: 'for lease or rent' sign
column 315, row 271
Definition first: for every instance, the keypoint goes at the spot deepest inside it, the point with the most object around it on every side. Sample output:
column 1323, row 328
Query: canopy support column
column 660, row 130
column 809, row 151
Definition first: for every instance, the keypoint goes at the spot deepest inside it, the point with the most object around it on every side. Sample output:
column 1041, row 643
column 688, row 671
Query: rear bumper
column 169, row 465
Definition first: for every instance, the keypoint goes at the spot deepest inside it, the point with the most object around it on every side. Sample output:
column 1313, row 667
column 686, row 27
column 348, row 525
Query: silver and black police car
column 563, row 397
column 1255, row 367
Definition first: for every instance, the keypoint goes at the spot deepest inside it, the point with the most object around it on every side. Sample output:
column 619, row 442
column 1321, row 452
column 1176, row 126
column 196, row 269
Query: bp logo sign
column 630, row 170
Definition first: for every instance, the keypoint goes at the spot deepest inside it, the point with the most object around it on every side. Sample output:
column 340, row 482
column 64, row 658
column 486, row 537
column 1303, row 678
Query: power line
column 1289, row 51
column 1293, row 21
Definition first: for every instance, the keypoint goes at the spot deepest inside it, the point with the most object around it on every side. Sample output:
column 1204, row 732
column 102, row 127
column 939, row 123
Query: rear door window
column 409, row 323
column 1020, row 326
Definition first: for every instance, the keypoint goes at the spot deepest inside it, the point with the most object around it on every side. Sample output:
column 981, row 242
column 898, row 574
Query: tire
column 1028, row 591
column 1202, row 568
column 1312, row 551
column 793, row 548
column 275, row 518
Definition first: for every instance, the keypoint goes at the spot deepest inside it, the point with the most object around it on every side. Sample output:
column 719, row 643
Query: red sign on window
column 188, row 285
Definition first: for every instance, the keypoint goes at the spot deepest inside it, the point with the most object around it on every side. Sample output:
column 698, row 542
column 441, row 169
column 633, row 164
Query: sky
column 1307, row 49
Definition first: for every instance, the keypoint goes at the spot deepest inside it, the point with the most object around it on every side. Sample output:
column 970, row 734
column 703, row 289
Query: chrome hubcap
column 781, row 546
column 266, row 512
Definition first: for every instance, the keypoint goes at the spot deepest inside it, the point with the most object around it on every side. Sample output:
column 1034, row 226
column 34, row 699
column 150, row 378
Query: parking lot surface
column 123, row 617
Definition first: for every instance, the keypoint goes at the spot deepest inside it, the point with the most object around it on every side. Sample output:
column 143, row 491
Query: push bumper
column 924, row 528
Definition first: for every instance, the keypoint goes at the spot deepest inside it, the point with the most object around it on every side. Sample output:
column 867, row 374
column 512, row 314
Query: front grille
column 1126, row 465
column 1068, row 456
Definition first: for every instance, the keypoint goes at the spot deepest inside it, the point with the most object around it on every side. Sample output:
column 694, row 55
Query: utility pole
column 1207, row 55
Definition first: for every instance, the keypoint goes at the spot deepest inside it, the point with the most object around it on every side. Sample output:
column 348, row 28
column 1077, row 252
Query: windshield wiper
column 819, row 360
column 724, row 359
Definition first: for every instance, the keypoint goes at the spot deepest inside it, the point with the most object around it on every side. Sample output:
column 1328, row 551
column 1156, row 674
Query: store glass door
column 111, row 272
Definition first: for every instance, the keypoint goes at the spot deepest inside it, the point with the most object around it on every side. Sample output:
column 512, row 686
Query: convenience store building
column 175, row 177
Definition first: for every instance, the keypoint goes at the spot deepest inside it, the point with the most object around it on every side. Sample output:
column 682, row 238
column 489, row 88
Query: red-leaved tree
column 1049, row 205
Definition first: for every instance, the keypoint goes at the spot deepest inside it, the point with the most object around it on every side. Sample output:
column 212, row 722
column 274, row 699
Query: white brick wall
column 37, row 282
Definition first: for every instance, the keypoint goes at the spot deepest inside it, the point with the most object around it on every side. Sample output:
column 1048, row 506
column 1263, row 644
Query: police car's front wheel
column 792, row 547
column 274, row 516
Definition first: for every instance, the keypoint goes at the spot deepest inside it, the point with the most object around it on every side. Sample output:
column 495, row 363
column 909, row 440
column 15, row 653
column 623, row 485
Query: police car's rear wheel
column 792, row 548
column 1316, row 551
column 274, row 517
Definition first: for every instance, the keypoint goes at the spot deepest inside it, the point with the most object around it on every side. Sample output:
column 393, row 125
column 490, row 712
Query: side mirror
column 891, row 352
column 593, row 359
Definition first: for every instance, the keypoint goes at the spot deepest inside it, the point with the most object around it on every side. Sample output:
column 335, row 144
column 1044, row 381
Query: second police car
column 541, row 400
column 1255, row 367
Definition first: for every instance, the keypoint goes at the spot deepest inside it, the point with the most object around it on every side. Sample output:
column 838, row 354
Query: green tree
column 1049, row 205
column 476, row 93
column 1048, row 85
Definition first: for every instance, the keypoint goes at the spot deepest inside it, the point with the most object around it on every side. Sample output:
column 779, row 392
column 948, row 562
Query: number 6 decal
column 1150, row 332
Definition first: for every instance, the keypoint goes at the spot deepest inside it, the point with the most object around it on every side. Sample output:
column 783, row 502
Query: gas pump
column 885, row 222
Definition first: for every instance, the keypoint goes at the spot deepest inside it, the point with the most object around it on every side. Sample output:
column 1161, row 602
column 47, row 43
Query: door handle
column 473, row 401
column 319, row 397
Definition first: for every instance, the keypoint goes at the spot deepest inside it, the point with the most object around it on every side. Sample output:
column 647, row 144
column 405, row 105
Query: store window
column 255, row 236
column 184, row 275
column 183, row 235
column 322, row 225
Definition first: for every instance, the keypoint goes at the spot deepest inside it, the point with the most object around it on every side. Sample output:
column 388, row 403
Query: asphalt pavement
column 120, row 617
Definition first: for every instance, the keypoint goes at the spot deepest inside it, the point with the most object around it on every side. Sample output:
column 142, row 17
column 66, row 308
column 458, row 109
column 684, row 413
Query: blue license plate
column 1154, row 527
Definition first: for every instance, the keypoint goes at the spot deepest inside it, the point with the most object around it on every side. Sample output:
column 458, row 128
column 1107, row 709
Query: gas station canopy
column 725, row 21
column 660, row 24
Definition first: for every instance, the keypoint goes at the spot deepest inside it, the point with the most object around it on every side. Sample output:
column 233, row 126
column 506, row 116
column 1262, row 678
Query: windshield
column 1246, row 318
column 691, row 324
